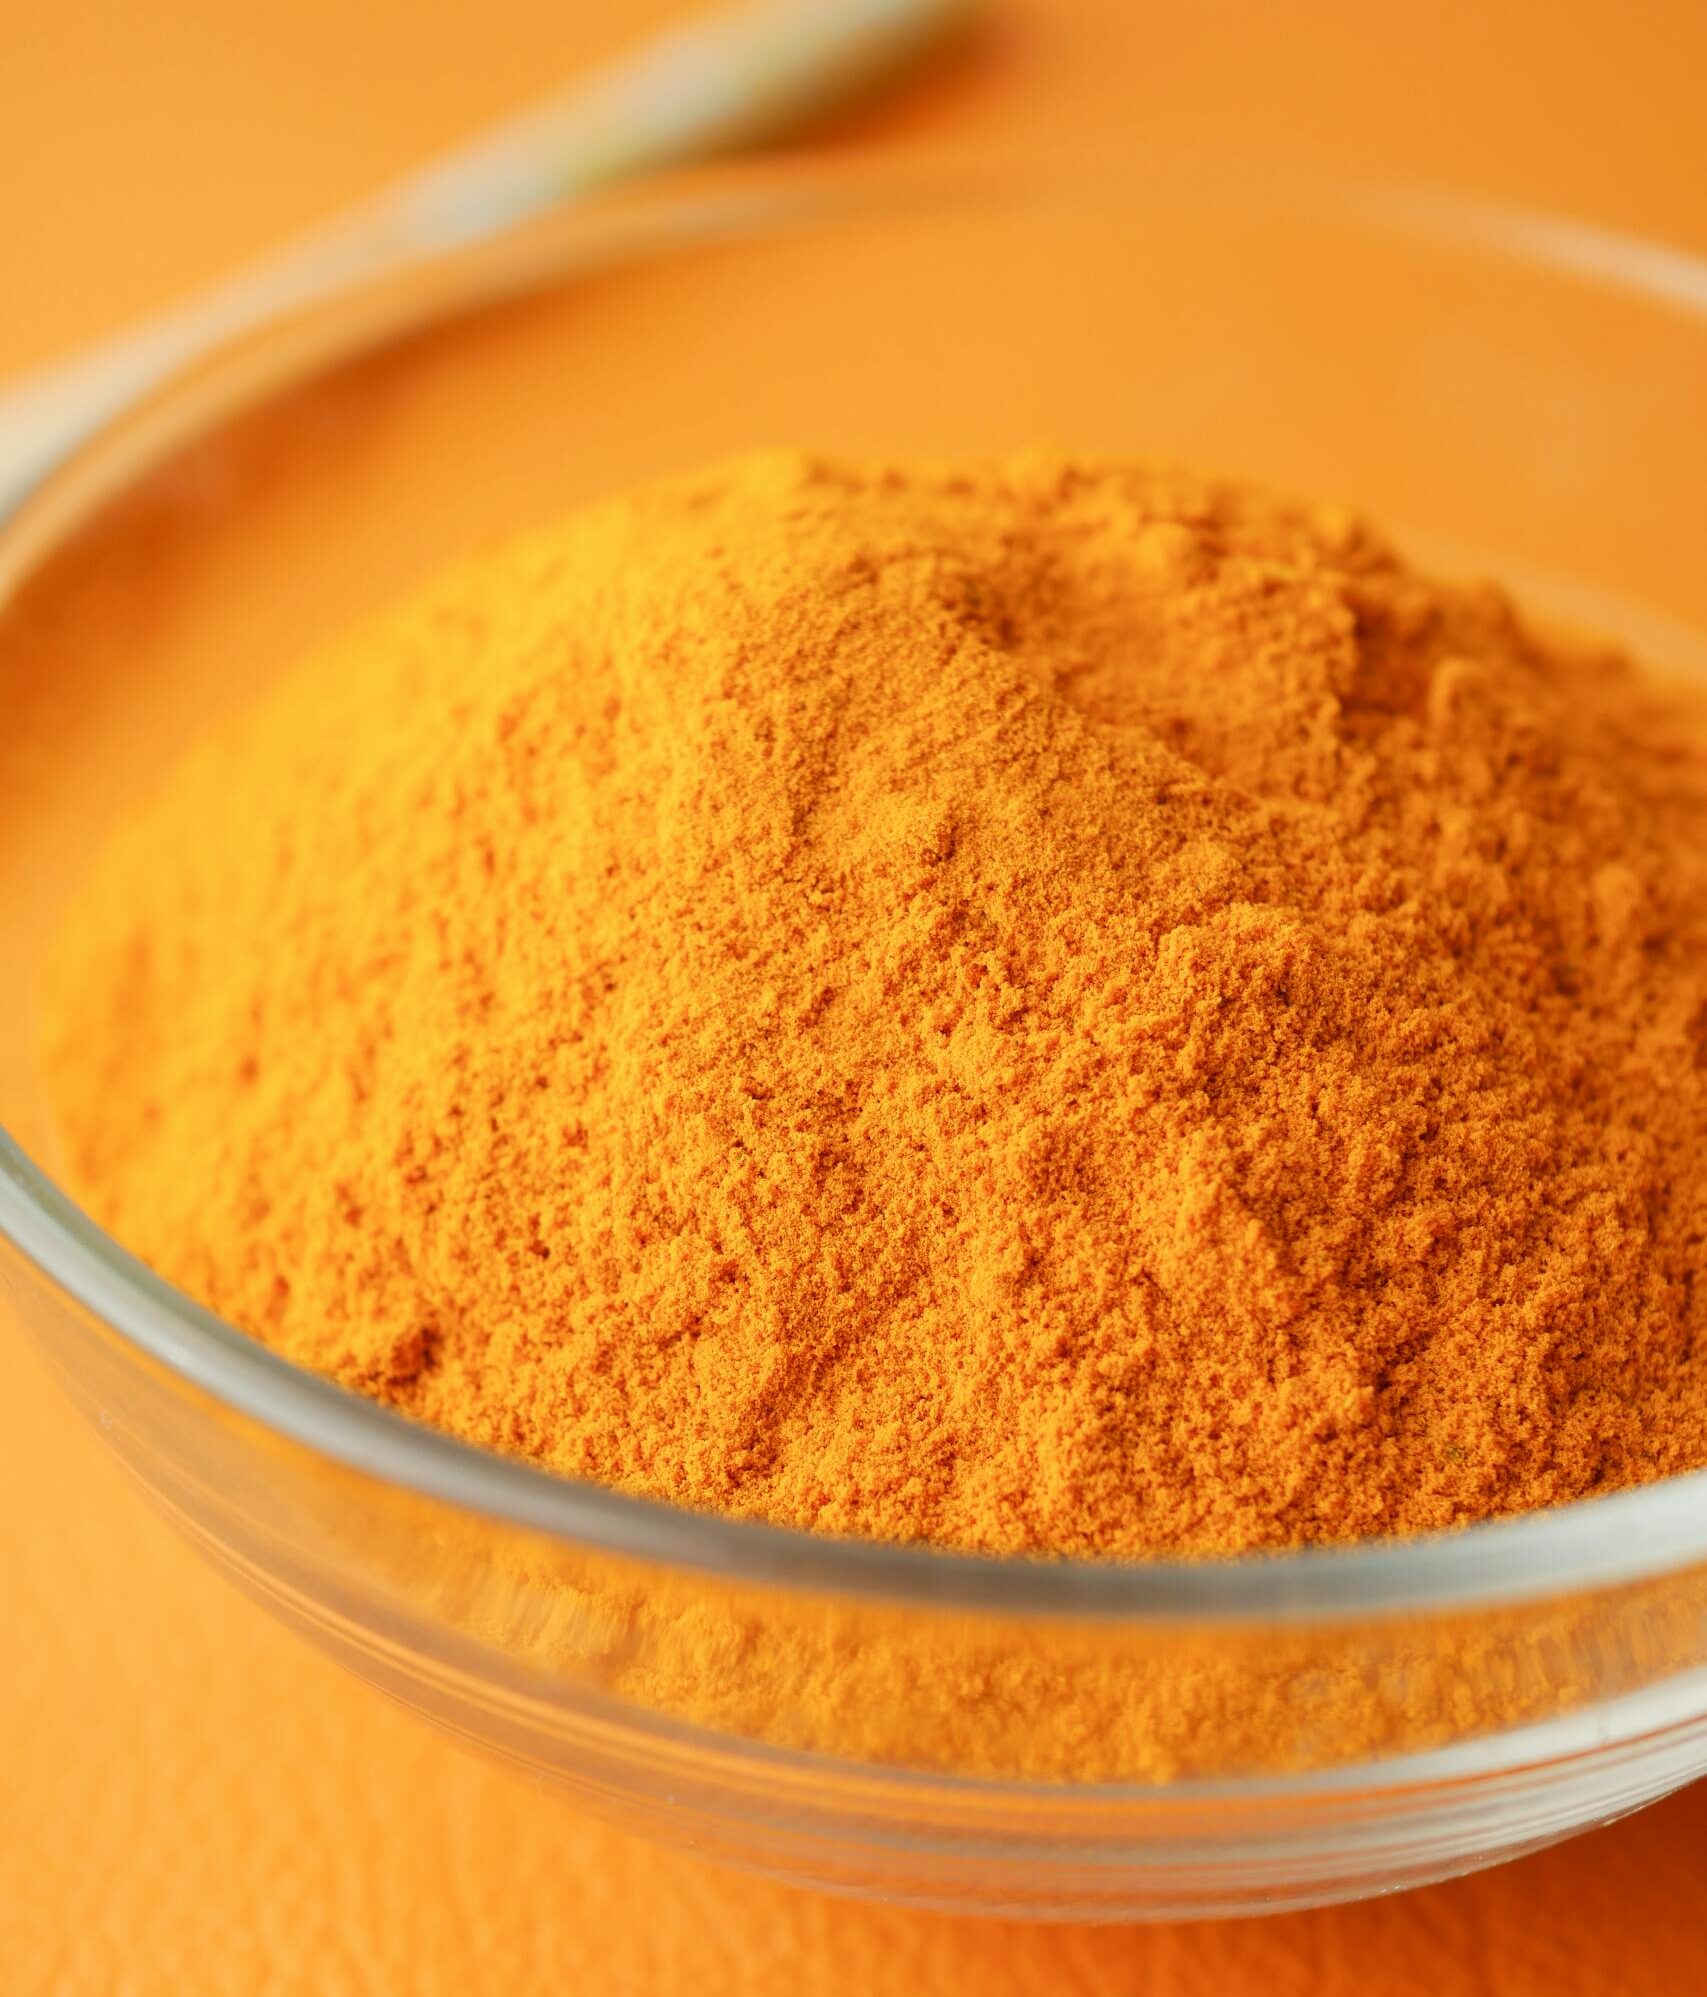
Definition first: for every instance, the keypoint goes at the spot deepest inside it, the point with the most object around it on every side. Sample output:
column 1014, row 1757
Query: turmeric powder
column 1044, row 1006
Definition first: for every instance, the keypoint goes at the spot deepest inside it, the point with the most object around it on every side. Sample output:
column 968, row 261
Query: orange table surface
column 190, row 1801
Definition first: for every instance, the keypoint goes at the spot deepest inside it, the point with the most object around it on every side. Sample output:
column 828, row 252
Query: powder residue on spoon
column 1037, row 1005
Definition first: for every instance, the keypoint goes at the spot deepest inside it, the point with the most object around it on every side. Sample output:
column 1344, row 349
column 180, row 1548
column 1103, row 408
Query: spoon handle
column 733, row 79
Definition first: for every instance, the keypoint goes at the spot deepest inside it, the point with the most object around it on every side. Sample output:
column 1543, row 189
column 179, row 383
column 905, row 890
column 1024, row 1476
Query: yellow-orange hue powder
column 1040, row 1005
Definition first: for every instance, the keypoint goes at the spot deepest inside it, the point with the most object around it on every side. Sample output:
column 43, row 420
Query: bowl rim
column 1597, row 1542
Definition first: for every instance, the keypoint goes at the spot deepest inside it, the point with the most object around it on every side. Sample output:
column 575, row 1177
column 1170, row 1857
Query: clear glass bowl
column 1054, row 1739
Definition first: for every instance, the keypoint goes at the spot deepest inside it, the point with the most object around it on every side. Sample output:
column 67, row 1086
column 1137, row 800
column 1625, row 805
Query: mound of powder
column 1038, row 1005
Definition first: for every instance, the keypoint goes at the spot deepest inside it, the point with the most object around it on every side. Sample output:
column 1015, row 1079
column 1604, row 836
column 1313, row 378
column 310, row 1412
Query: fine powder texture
column 1043, row 1005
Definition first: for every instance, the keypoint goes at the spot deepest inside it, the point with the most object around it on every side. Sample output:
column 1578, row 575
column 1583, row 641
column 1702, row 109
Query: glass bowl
column 1047, row 1738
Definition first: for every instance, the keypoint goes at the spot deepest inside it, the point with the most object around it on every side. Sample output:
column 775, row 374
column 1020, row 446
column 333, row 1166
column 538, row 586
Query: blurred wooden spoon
column 734, row 79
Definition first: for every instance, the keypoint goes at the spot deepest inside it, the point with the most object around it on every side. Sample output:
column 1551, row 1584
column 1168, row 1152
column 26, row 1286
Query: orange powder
column 1035, row 1006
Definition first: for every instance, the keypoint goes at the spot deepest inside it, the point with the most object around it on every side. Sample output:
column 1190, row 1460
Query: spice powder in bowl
column 1035, row 1006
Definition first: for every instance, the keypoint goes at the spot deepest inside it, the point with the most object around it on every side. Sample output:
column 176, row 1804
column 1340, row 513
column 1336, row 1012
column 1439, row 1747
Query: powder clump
column 1041, row 1005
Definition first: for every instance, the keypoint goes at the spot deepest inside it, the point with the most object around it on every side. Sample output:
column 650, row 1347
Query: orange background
column 190, row 1800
